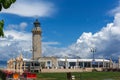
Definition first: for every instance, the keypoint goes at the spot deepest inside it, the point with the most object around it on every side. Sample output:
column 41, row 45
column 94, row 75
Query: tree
column 1, row 28
column 4, row 4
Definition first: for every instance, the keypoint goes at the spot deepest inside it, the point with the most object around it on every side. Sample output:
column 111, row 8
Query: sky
column 69, row 28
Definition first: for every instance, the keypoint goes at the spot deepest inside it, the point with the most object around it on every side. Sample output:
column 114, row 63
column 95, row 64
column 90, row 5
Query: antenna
column 36, row 17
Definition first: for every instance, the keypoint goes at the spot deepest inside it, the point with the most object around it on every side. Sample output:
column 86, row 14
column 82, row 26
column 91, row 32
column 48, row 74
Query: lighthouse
column 36, row 40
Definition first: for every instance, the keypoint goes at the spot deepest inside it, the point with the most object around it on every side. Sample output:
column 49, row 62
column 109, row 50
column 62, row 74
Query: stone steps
column 69, row 70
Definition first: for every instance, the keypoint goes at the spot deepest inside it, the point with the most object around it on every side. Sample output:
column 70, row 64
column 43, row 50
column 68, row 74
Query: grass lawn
column 81, row 76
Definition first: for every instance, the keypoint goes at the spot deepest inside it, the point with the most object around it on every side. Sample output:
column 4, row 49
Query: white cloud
column 106, row 41
column 20, row 26
column 31, row 8
column 51, row 43
column 115, row 10
column 14, row 43
column 23, row 25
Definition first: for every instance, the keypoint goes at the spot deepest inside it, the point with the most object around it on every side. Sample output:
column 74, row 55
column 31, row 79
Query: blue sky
column 75, row 17
column 65, row 24
column 70, row 20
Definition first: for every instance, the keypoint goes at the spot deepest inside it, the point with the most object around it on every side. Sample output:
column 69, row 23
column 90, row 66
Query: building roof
column 29, row 60
column 72, row 60
column 83, row 60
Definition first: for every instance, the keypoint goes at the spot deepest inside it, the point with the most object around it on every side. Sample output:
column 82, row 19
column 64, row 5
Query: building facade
column 37, row 63
column 52, row 63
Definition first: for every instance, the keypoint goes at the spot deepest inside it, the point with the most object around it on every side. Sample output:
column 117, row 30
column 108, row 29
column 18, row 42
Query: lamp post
column 93, row 50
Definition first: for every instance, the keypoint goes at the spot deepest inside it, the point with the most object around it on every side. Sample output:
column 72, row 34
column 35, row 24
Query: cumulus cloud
column 14, row 43
column 23, row 25
column 50, row 49
column 106, row 42
column 115, row 10
column 31, row 8
column 20, row 26
column 18, row 42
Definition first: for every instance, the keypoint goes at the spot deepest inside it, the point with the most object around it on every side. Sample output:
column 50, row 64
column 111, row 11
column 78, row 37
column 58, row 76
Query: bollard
column 73, row 77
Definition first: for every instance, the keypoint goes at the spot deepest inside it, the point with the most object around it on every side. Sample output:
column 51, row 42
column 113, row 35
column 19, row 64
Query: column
column 52, row 64
column 111, row 63
column 66, row 64
column 91, row 64
column 77, row 64
column 21, row 65
column 14, row 65
column 103, row 63
column 24, row 66
column 83, row 65
column 98, row 64
column 119, row 62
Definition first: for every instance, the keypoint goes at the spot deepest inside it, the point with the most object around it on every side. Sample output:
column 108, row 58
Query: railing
column 28, row 75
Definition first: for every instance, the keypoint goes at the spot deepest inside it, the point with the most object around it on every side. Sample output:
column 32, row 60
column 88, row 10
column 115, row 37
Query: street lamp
column 93, row 50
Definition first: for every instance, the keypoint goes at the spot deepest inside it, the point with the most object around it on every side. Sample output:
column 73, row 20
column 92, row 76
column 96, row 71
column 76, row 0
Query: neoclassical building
column 38, row 62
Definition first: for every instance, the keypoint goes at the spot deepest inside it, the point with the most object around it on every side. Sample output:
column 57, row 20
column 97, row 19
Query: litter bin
column 69, row 76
